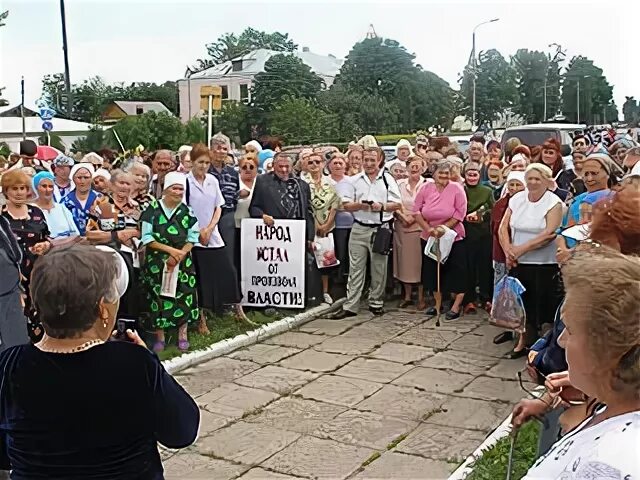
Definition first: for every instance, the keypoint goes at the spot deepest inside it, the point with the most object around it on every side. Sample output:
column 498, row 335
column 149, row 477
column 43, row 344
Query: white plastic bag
column 169, row 281
column 324, row 250
column 446, row 242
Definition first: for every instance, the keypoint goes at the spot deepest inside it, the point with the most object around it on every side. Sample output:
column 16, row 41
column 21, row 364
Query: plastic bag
column 446, row 243
column 324, row 250
column 507, row 310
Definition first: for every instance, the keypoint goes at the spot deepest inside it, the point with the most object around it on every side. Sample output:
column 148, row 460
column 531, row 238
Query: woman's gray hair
column 67, row 286
column 118, row 173
column 133, row 165
column 443, row 164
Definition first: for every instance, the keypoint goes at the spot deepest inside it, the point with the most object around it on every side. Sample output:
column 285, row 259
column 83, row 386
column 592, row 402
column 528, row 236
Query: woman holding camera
column 76, row 406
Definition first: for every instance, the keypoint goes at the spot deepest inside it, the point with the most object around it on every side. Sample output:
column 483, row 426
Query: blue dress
column 80, row 214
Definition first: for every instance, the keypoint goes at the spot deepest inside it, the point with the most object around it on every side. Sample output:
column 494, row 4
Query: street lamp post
column 473, row 53
column 578, row 96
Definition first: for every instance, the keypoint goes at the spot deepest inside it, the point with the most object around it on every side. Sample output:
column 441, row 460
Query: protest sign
column 273, row 263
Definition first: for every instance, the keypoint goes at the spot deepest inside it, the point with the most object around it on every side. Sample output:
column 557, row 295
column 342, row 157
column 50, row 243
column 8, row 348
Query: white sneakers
column 327, row 298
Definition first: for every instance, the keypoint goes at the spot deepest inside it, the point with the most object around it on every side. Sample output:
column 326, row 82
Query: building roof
column 13, row 110
column 130, row 108
column 253, row 63
column 13, row 125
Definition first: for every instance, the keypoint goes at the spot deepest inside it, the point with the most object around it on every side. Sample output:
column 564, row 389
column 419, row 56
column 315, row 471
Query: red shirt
column 499, row 209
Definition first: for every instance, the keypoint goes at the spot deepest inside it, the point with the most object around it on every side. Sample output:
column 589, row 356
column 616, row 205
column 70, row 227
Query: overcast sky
column 154, row 40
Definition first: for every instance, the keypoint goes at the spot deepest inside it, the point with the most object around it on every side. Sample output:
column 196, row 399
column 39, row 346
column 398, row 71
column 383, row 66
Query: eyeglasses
column 314, row 162
column 248, row 167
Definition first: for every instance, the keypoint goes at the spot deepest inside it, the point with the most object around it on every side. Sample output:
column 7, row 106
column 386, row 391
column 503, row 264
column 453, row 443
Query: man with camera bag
column 373, row 199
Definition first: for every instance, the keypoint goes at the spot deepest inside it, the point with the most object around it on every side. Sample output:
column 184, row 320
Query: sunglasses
column 248, row 167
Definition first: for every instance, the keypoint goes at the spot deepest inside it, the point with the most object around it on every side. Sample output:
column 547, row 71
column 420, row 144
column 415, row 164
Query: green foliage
column 533, row 71
column 493, row 463
column 284, row 76
column 298, row 120
column 596, row 95
column 233, row 120
column 195, row 131
column 3, row 16
column 96, row 140
column 152, row 130
column 91, row 97
column 386, row 92
column 631, row 111
column 5, row 150
column 54, row 140
column 496, row 89
column 230, row 46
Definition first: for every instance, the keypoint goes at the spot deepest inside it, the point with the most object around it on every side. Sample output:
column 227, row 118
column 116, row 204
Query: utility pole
column 473, row 56
column 65, row 49
column 578, row 100
column 24, row 127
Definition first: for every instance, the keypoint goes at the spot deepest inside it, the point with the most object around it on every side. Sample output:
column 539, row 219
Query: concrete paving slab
column 276, row 379
column 380, row 371
column 316, row 361
column 339, row 390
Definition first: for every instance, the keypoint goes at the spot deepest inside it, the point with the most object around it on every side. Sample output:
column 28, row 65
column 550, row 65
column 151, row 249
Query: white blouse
column 242, row 209
column 608, row 450
column 528, row 220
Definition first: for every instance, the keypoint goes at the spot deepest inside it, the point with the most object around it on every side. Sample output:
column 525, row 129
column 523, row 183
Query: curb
column 228, row 345
column 465, row 469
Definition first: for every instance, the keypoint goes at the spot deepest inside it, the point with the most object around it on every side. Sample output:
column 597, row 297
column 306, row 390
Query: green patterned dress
column 174, row 229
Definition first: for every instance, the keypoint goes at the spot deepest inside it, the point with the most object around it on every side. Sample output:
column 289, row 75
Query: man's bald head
column 162, row 162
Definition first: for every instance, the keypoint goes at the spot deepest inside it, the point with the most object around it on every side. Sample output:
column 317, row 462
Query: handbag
column 383, row 236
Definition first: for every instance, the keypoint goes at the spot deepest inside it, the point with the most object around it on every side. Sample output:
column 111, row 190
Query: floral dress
column 175, row 229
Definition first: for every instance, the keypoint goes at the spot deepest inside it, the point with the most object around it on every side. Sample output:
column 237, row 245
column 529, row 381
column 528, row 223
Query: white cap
column 101, row 172
column 122, row 280
column 175, row 178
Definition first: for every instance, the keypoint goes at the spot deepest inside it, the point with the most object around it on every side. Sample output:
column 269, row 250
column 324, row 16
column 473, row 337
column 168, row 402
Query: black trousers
column 479, row 269
column 542, row 296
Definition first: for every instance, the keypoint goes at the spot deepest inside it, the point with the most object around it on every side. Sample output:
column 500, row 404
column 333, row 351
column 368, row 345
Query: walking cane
column 514, row 436
column 439, row 296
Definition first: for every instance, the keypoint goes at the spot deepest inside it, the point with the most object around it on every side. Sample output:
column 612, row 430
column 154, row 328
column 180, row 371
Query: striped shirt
column 229, row 183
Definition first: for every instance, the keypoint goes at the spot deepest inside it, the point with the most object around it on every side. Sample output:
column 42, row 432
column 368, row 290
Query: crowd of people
column 501, row 209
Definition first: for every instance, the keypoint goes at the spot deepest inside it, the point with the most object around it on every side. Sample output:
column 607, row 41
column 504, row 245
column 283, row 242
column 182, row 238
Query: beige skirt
column 407, row 256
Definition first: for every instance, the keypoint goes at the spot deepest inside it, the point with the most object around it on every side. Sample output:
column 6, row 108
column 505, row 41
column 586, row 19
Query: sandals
column 405, row 304
column 158, row 346
column 183, row 345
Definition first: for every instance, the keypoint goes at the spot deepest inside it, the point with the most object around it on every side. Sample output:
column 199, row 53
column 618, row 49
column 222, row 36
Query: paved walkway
column 390, row 397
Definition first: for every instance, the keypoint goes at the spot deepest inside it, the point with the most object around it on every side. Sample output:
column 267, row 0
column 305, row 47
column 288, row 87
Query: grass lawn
column 493, row 464
column 220, row 328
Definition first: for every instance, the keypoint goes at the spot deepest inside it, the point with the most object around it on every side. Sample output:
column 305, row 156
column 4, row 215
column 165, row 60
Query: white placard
column 273, row 263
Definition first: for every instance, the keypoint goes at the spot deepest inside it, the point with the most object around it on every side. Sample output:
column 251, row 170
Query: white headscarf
column 175, row 178
column 79, row 166
column 101, row 172
column 254, row 144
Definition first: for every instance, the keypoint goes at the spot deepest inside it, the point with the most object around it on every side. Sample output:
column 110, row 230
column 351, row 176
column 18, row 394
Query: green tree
column 536, row 71
column 496, row 89
column 596, row 95
column 233, row 120
column 195, row 131
column 284, row 76
column 299, row 120
column 53, row 140
column 631, row 111
column 96, row 140
column 230, row 45
column 152, row 130
column 166, row 92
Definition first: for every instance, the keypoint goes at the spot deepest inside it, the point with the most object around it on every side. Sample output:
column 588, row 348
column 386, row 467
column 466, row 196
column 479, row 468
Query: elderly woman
column 253, row 146
column 407, row 249
column 62, row 228
column 114, row 221
column 76, row 371
column 326, row 203
column 337, row 167
column 28, row 224
column 438, row 204
column 82, row 199
column 101, row 181
column 248, row 173
column 354, row 157
column 140, row 191
column 455, row 171
column 217, row 287
column 477, row 226
column 169, row 231
column 403, row 150
column 398, row 169
column 526, row 235
column 602, row 344
column 551, row 157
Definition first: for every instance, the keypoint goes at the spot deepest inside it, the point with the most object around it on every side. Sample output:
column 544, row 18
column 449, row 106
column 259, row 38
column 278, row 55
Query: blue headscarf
column 38, row 177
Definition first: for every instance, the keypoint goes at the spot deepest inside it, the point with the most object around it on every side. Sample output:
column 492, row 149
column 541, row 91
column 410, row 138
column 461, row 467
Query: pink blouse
column 438, row 207
column 408, row 198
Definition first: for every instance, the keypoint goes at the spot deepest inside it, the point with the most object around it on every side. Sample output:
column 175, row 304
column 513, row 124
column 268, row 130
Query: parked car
column 389, row 152
column 536, row 134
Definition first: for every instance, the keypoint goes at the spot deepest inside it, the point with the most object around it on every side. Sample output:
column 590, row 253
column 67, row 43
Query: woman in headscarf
column 169, row 231
column 407, row 249
column 62, row 228
column 253, row 146
column 438, row 203
column 28, row 224
column 477, row 227
column 81, row 200
column 101, row 181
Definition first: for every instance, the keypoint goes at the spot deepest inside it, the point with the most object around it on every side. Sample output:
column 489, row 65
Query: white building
column 236, row 77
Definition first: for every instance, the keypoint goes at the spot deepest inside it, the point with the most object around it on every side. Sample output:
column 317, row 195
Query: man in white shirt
column 373, row 198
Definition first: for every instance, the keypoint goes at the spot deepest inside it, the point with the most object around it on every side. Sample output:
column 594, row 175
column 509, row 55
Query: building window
column 244, row 93
column 139, row 110
column 236, row 65
column 225, row 92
